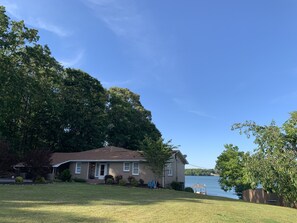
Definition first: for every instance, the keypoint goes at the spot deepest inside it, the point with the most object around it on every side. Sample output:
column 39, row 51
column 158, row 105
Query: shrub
column 109, row 181
column 130, row 178
column 118, row 178
column 134, row 183
column 40, row 180
column 19, row 180
column 65, row 175
column 177, row 185
column 122, row 182
column 108, row 177
column 141, row 182
column 79, row 180
column 189, row 189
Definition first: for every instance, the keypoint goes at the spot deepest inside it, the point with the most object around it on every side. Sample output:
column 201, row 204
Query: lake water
column 212, row 185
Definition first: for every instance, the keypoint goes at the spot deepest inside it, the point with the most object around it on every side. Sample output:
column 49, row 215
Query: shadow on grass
column 45, row 216
column 78, row 194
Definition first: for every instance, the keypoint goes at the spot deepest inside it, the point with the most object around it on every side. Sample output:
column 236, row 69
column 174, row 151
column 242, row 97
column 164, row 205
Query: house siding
column 145, row 173
column 178, row 171
column 83, row 172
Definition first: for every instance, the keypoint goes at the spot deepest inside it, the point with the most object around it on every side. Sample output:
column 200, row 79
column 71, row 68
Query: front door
column 101, row 170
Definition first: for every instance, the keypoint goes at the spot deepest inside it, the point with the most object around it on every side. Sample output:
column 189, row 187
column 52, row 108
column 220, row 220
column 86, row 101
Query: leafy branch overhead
column 273, row 163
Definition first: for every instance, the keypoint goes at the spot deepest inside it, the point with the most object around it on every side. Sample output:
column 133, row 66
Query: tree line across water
column 200, row 172
column 46, row 106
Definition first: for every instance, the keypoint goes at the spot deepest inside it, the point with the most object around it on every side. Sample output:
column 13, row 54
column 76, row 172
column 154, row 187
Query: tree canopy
column 44, row 105
column 273, row 164
column 128, row 121
column 230, row 165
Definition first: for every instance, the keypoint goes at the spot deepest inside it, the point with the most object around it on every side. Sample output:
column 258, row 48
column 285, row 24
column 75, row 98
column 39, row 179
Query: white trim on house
column 94, row 161
column 126, row 168
column 169, row 169
column 77, row 168
column 135, row 173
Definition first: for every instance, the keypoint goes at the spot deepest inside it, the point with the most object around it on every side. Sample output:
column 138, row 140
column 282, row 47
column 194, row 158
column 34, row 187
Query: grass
column 77, row 202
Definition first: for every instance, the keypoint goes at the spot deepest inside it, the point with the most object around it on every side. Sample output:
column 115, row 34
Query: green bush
column 19, row 180
column 141, row 182
column 189, row 189
column 118, row 178
column 122, row 182
column 39, row 180
column 130, row 178
column 79, row 180
column 65, row 176
column 177, row 185
column 109, row 181
column 134, row 183
column 108, row 177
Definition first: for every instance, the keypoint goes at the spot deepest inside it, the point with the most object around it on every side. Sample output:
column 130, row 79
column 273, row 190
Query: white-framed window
column 126, row 167
column 169, row 169
column 135, row 168
column 77, row 167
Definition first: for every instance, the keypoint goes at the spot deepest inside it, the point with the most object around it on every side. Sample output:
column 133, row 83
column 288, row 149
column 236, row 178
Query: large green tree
column 128, row 121
column 274, row 162
column 84, row 117
column 30, row 79
column 231, row 167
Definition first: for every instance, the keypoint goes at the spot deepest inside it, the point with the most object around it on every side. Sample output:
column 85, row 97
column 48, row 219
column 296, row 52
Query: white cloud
column 187, row 106
column 41, row 24
column 126, row 21
column 202, row 114
column 14, row 10
column 75, row 61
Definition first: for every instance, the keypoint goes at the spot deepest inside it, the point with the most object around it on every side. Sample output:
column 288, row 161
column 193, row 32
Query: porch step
column 95, row 181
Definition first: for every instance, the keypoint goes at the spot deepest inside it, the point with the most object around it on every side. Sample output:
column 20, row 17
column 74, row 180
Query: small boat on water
column 200, row 189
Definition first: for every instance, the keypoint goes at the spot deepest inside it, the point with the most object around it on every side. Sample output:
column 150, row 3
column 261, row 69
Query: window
column 169, row 169
column 135, row 168
column 126, row 167
column 78, row 167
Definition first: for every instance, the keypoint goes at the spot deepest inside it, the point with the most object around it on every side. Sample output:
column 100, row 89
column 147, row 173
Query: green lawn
column 77, row 202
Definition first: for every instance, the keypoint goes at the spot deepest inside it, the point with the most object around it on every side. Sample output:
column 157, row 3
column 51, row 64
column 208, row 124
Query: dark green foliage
column 38, row 162
column 83, row 118
column 134, row 183
column 106, row 177
column 40, row 180
column 122, row 182
column 141, row 182
column 7, row 159
column 43, row 105
column 118, row 178
column 128, row 121
column 19, row 180
column 189, row 189
column 131, row 178
column 65, row 175
column 109, row 181
column 177, row 185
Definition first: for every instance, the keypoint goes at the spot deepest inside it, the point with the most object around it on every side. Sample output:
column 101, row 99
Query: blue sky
column 199, row 66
